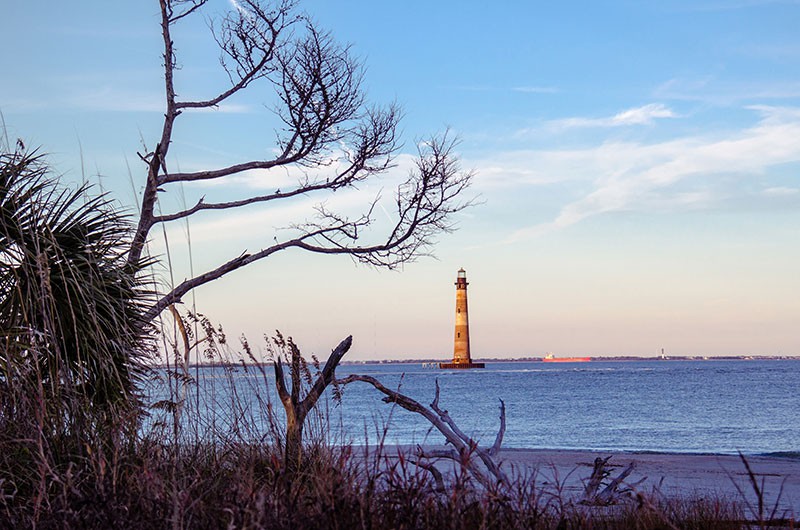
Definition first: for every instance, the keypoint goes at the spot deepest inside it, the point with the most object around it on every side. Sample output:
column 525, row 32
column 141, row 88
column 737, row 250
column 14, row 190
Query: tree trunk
column 297, row 409
column 293, row 451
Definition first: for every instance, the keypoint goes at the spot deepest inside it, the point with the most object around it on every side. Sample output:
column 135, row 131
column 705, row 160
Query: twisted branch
column 464, row 446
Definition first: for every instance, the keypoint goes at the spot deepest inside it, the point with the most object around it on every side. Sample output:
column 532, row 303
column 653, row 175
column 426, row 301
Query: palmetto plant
column 71, row 305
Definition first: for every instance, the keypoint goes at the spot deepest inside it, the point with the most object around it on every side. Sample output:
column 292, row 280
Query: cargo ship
column 549, row 358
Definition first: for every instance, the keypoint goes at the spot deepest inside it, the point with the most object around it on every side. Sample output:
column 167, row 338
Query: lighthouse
column 461, row 353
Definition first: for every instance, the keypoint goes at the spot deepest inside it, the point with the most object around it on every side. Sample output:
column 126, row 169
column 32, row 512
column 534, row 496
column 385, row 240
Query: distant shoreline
column 490, row 360
column 622, row 358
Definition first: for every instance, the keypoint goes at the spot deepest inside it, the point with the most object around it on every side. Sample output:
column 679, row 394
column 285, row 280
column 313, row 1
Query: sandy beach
column 671, row 474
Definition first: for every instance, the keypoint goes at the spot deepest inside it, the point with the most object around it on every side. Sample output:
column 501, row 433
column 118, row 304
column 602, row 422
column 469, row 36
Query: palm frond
column 71, row 306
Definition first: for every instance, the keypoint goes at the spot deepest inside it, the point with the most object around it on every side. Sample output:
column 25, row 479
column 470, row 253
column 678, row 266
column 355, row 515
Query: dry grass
column 149, row 485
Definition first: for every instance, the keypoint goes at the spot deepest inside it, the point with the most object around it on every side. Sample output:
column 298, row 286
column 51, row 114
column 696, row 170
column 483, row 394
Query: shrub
column 73, row 343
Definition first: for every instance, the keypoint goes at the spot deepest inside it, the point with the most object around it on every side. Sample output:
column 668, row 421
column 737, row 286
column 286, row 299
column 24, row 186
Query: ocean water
column 672, row 406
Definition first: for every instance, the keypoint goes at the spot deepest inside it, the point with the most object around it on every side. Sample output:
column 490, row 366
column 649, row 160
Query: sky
column 637, row 169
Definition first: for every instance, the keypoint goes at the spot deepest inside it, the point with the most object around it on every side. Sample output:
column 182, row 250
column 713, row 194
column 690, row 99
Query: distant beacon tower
column 461, row 353
column 461, row 337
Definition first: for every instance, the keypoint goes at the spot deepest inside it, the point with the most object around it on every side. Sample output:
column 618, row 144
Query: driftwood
column 438, row 477
column 465, row 449
column 613, row 490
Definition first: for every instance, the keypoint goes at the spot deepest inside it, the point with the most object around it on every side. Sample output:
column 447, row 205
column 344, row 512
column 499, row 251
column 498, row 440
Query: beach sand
column 673, row 475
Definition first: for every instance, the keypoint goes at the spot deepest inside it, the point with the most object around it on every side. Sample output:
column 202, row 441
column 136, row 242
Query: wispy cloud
column 643, row 115
column 536, row 89
column 781, row 191
column 624, row 176
column 717, row 92
column 525, row 89
column 242, row 11
column 471, row 88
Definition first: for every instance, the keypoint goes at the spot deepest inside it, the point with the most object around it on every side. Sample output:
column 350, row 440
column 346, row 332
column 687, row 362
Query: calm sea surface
column 674, row 406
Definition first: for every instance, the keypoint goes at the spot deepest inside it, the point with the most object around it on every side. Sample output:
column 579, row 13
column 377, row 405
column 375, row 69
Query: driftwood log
column 612, row 491
column 464, row 448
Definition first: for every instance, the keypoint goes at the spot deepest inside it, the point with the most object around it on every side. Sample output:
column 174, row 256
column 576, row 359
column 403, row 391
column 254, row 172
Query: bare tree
column 297, row 407
column 321, row 105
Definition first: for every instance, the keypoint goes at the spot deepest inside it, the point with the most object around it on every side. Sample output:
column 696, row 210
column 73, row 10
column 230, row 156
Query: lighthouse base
column 460, row 366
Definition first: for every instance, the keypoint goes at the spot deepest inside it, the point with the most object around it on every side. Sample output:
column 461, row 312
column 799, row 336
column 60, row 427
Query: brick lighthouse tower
column 461, row 354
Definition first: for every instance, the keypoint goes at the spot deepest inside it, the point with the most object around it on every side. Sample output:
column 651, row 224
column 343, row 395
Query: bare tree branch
column 175, row 295
column 339, row 181
column 191, row 7
column 283, row 392
column 425, row 204
column 464, row 446
column 328, row 372
column 327, row 126
column 248, row 38
column 235, row 169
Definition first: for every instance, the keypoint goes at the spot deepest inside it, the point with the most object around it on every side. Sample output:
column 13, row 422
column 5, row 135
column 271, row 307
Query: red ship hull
column 567, row 360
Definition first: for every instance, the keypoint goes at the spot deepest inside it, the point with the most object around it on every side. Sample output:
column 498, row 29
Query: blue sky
column 636, row 164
